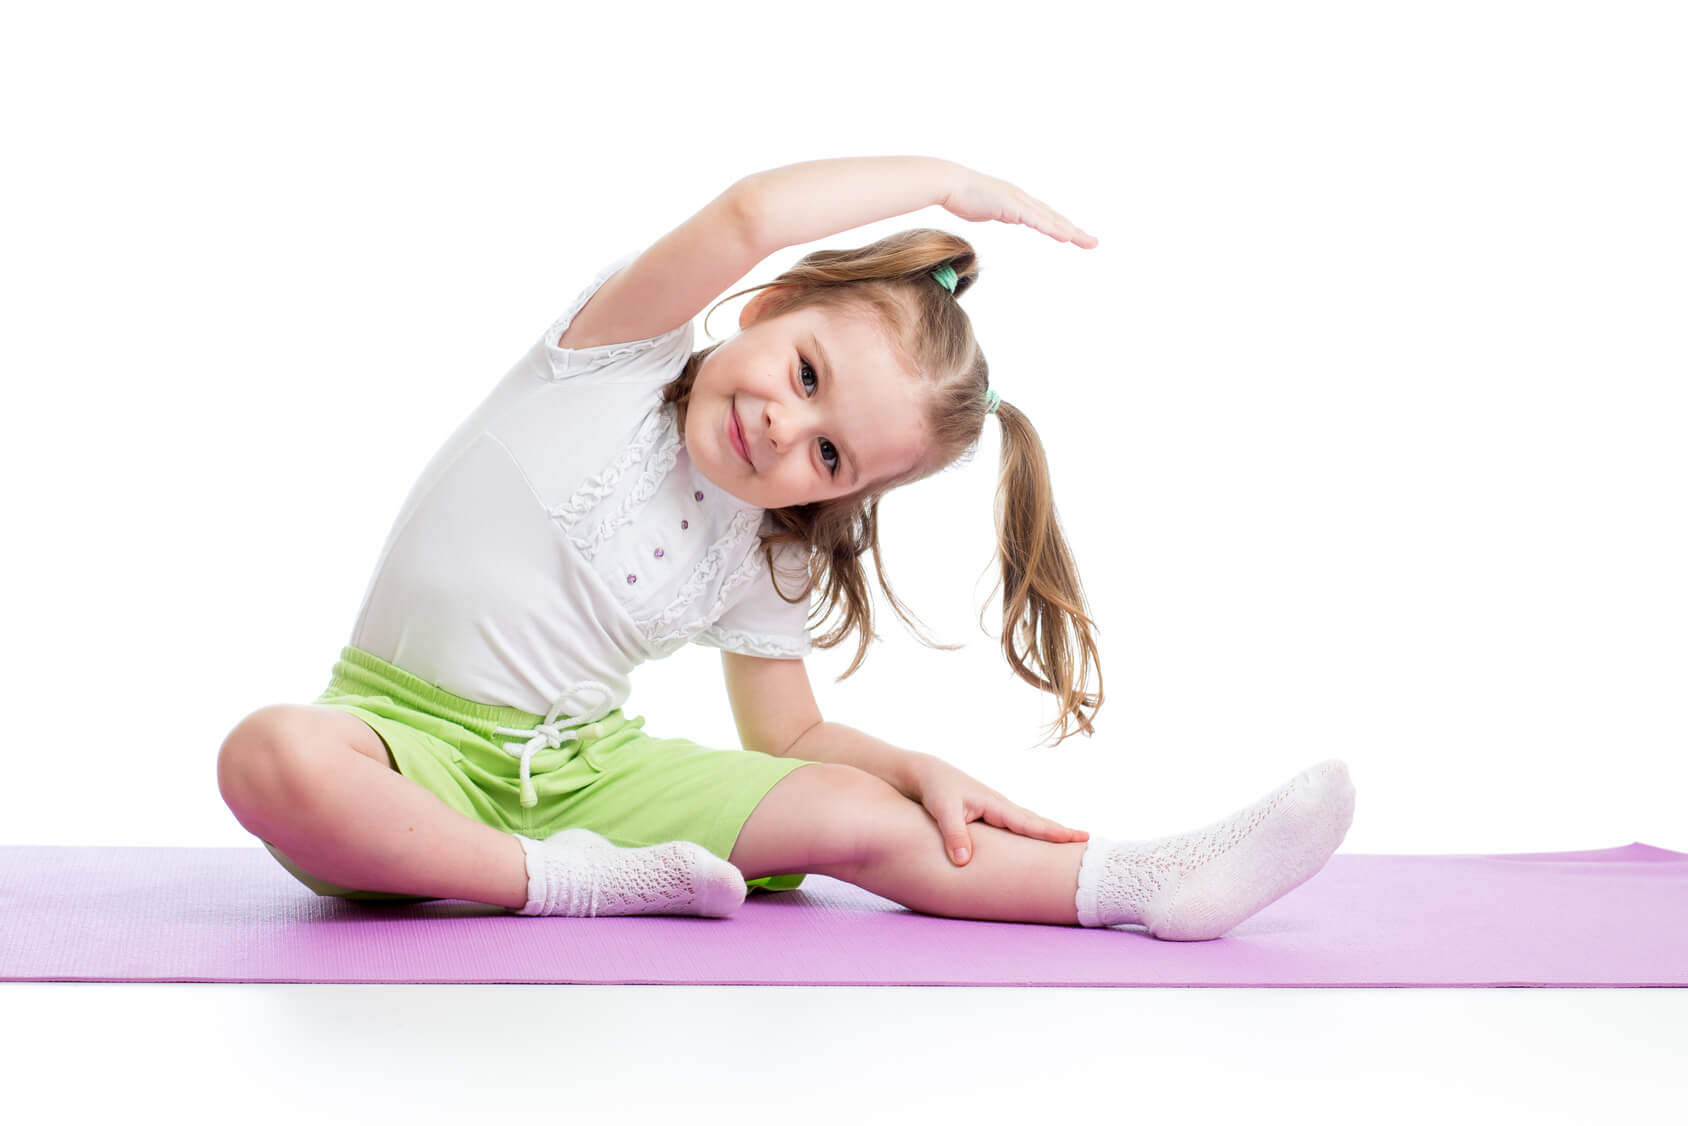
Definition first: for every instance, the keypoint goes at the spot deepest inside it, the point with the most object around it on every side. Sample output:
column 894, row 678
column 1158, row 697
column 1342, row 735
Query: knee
column 875, row 818
column 258, row 765
column 824, row 817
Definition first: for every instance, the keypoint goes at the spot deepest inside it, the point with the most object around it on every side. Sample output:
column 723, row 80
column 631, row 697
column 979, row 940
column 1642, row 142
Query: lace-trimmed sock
column 577, row 872
column 1199, row 885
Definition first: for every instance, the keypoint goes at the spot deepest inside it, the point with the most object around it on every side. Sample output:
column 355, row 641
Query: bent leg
column 856, row 827
column 296, row 778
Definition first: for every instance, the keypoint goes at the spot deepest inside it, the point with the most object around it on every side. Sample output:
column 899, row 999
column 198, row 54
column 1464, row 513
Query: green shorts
column 627, row 786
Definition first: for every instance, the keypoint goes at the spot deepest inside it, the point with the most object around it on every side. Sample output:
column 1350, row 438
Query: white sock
column 1199, row 885
column 577, row 872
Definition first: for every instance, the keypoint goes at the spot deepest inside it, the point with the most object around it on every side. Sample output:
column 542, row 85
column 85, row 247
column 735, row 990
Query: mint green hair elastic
column 946, row 278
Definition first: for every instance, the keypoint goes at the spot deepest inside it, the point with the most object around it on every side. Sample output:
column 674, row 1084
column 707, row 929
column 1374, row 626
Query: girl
column 618, row 495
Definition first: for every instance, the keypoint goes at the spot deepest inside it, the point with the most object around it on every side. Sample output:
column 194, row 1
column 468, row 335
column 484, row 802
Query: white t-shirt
column 562, row 536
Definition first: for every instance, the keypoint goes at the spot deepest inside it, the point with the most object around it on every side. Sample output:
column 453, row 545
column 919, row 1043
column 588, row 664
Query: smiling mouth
column 740, row 444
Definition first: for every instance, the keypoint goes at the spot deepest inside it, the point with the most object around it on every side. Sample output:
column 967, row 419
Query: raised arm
column 800, row 203
column 673, row 279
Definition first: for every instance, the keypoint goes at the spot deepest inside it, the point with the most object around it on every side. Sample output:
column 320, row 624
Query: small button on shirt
column 561, row 536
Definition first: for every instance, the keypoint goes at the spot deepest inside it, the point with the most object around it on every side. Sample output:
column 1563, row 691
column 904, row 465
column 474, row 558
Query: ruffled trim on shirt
column 659, row 629
column 566, row 362
column 596, row 488
column 755, row 644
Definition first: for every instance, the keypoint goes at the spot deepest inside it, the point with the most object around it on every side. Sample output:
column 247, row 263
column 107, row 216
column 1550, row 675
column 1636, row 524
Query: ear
column 753, row 310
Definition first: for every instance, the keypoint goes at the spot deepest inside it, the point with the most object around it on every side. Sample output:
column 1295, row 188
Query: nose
column 786, row 425
column 775, row 422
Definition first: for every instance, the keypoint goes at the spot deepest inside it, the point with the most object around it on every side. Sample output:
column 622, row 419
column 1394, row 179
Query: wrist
column 799, row 203
column 907, row 778
column 840, row 743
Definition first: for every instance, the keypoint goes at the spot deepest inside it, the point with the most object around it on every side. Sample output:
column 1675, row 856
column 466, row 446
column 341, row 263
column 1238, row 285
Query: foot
column 1198, row 885
column 579, row 873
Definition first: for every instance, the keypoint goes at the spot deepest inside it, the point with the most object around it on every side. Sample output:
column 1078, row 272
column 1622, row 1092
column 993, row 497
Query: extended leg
column 1010, row 878
column 848, row 824
column 1188, row 887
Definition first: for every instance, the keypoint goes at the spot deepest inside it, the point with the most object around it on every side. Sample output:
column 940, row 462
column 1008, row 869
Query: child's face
column 800, row 417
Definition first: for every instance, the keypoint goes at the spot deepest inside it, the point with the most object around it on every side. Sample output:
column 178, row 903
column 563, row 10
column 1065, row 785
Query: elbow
column 806, row 732
column 745, row 203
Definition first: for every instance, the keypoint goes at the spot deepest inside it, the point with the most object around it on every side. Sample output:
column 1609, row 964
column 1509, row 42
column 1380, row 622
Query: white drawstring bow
column 586, row 703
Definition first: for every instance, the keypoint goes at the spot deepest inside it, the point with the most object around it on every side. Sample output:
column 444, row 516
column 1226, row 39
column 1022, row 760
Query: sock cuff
column 564, row 873
column 535, row 875
column 1089, row 879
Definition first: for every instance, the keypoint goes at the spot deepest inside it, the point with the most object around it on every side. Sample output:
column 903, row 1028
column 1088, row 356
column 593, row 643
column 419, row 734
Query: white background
column 1364, row 419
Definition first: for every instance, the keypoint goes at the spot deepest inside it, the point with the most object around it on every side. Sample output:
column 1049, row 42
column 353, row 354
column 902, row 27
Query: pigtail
column 1044, row 616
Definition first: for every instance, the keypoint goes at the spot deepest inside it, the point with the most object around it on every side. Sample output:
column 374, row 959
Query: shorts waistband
column 520, row 733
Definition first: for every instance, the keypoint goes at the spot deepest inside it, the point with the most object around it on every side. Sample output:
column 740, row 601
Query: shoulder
column 577, row 342
column 654, row 292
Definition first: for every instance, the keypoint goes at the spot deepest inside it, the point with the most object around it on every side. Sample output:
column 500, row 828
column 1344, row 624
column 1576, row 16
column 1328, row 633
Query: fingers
column 959, row 846
column 985, row 198
column 1042, row 217
column 1060, row 227
column 1028, row 824
column 952, row 827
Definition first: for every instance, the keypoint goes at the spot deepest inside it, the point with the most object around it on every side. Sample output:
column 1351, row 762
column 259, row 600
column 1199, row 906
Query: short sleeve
column 655, row 355
column 759, row 623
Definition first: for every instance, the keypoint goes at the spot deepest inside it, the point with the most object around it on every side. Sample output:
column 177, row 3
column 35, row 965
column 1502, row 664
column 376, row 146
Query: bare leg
column 291, row 776
column 1009, row 879
column 848, row 824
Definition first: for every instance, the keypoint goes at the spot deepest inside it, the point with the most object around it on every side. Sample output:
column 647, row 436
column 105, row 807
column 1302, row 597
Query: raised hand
column 980, row 198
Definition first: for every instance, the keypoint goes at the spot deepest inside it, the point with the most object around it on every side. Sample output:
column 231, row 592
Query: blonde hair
column 1045, row 621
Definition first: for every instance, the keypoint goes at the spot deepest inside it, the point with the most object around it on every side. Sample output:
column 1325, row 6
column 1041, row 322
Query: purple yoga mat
column 1612, row 917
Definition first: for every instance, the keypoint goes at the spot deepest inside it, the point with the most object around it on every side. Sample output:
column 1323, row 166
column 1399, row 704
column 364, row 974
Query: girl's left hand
column 953, row 799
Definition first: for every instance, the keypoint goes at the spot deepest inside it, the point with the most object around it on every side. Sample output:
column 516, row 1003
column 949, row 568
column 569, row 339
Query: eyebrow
column 831, row 374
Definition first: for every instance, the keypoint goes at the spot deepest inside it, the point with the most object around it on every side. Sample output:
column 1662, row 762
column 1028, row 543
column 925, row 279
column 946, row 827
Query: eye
column 804, row 366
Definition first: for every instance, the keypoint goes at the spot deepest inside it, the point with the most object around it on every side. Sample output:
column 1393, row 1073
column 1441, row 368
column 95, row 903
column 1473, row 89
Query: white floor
column 423, row 1054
